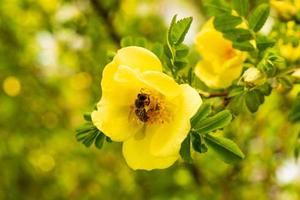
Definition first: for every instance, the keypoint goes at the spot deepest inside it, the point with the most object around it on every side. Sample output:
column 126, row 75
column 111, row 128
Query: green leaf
column 87, row 117
column 253, row 99
column 294, row 115
column 243, row 46
column 225, row 22
column 185, row 149
column 168, row 51
column 236, row 104
column 216, row 7
column 202, row 113
column 218, row 121
column 99, row 140
column 265, row 89
column 180, row 63
column 157, row 49
column 259, row 17
column 226, row 149
column 238, row 34
column 241, row 6
column 179, row 29
column 236, row 91
column 197, row 143
column 181, row 51
column 264, row 42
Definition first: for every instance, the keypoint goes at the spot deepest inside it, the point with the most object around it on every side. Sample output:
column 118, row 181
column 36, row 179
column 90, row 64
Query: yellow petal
column 167, row 137
column 137, row 155
column 161, row 83
column 211, row 44
column 138, row 58
column 114, row 121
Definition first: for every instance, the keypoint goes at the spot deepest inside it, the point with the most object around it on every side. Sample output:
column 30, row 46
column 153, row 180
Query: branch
column 108, row 21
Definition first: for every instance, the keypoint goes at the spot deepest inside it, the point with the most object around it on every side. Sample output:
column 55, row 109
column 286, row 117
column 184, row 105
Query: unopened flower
column 253, row 76
column 296, row 73
column 144, row 108
column 221, row 63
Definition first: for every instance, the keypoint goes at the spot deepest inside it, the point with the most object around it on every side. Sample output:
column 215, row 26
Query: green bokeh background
column 56, row 49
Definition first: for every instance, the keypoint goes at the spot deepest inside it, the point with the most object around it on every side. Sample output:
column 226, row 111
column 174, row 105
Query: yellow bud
column 296, row 73
column 254, row 76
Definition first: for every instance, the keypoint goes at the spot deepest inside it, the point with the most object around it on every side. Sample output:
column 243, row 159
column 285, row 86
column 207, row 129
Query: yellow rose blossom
column 145, row 109
column 221, row 63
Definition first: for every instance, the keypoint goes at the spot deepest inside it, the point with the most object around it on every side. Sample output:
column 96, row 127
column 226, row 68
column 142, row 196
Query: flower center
column 149, row 107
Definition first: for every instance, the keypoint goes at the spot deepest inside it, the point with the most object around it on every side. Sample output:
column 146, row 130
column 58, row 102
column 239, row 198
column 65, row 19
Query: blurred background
column 52, row 53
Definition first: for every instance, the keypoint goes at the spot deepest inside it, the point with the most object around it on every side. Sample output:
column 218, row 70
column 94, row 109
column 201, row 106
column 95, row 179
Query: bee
column 142, row 101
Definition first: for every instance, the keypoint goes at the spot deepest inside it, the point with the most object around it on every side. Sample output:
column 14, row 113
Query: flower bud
column 254, row 76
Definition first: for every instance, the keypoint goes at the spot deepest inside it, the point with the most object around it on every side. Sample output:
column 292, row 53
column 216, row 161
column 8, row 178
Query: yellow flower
column 286, row 8
column 288, row 51
column 145, row 109
column 221, row 63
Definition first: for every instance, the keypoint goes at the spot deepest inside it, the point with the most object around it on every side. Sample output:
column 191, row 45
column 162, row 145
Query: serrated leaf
column 294, row 115
column 238, row 34
column 243, row 46
column 226, row 149
column 99, row 140
column 253, row 99
column 241, row 6
column 202, row 113
column 185, row 149
column 178, row 30
column 218, row 121
column 259, row 17
column 216, row 7
column 225, row 22
column 197, row 143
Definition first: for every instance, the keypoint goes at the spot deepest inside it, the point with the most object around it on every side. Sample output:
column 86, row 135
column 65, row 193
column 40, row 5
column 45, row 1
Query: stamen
column 149, row 107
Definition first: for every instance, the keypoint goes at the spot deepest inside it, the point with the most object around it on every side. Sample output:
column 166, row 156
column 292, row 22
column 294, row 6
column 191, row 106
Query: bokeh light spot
column 12, row 86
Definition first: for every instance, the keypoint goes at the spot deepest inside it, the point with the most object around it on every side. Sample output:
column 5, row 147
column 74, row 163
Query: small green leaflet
column 253, row 99
column 202, row 113
column 297, row 147
column 218, row 121
column 259, row 17
column 178, row 30
column 89, row 134
column 225, row 22
column 216, row 7
column 185, row 149
column 224, row 148
column 241, row 6
column 197, row 143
